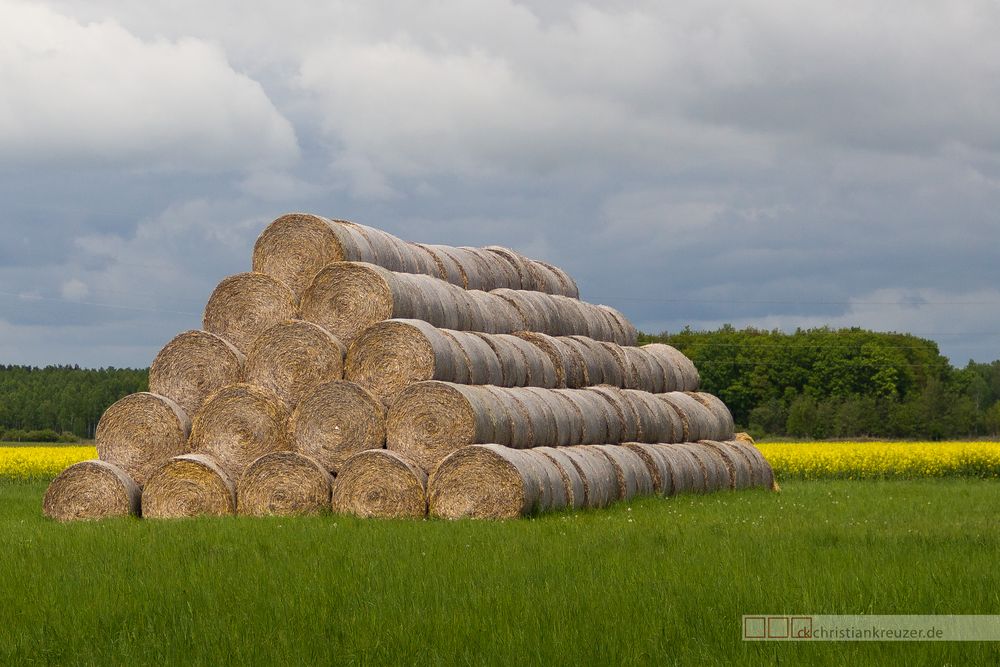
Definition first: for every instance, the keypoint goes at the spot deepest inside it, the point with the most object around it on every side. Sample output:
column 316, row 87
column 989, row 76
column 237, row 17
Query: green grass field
column 654, row 582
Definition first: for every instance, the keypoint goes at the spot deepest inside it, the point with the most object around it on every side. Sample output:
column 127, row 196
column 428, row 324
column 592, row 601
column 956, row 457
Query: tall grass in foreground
column 656, row 582
column 882, row 460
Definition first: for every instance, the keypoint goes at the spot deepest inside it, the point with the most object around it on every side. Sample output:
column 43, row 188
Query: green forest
column 825, row 383
column 60, row 402
column 816, row 383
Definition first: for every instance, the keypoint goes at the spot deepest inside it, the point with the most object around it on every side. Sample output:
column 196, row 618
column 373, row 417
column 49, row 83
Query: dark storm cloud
column 768, row 163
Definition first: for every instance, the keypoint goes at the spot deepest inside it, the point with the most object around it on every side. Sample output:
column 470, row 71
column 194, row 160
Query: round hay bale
column 188, row 485
column 566, row 361
column 389, row 356
column 238, row 424
column 648, row 374
column 283, row 484
column 292, row 358
column 715, row 475
column 745, row 437
column 761, row 474
column 623, row 371
column 736, row 462
column 631, row 473
column 500, row 271
column 562, row 284
column 541, row 371
column 530, row 310
column 593, row 369
column 563, row 419
column 446, row 267
column 628, row 335
column 295, row 247
column 724, row 426
column 347, row 297
column 684, row 372
column 624, row 409
column 452, row 263
column 723, row 473
column 660, row 471
column 520, row 265
column 141, row 432
column 576, row 496
column 337, row 420
column 91, row 490
column 554, row 494
column 541, row 420
column 514, row 370
column 697, row 422
column 486, row 482
column 382, row 484
column 245, row 305
column 598, row 473
column 689, row 476
column 427, row 421
column 193, row 365
column 512, row 425
column 591, row 415
column 484, row 366
column 657, row 421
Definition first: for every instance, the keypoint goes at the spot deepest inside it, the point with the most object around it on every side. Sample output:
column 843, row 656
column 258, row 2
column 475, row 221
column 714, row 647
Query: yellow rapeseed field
column 40, row 462
column 882, row 460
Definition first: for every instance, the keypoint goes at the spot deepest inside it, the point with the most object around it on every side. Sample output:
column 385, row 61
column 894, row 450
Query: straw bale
column 141, row 432
column 338, row 419
column 380, row 483
column 193, row 365
column 294, row 357
column 486, row 482
column 659, row 466
column 600, row 481
column 573, row 481
column 238, row 424
column 188, row 485
column 244, row 305
column 631, row 473
column 685, row 373
column 283, row 484
column 91, row 490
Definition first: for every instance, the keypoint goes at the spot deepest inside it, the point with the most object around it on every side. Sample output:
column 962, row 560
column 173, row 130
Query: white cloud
column 74, row 289
column 97, row 94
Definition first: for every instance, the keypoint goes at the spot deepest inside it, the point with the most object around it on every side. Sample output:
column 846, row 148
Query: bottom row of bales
column 479, row 481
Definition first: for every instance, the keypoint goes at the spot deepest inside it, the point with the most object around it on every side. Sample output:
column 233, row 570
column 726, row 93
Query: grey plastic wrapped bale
column 296, row 247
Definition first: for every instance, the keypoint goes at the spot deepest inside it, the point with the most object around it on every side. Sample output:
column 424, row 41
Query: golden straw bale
column 338, row 419
column 294, row 357
column 91, row 490
column 283, row 484
column 486, row 482
column 380, row 483
column 245, row 305
column 193, row 365
column 141, row 432
column 186, row 486
column 238, row 424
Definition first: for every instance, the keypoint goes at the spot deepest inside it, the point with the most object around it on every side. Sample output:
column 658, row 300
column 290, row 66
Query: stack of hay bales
column 354, row 371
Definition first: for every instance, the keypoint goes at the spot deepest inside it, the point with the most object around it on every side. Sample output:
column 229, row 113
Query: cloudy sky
column 769, row 163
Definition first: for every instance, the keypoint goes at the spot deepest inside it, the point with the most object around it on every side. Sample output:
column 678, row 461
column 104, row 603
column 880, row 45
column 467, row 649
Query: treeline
column 824, row 383
column 57, row 402
column 816, row 383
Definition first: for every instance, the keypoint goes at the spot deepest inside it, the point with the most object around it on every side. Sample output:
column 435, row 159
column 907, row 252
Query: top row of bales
column 296, row 247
